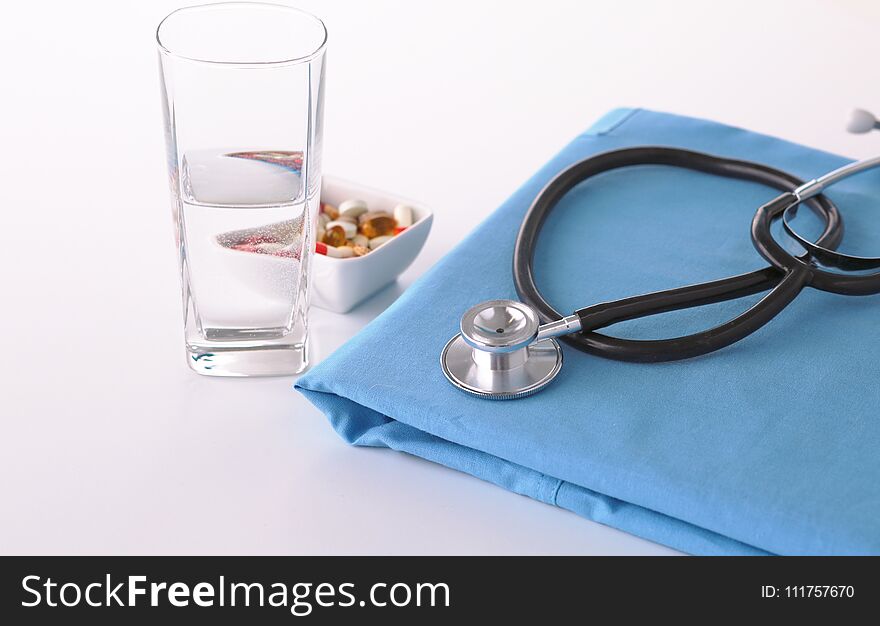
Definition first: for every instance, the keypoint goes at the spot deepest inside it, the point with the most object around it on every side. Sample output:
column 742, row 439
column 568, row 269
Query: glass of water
column 242, row 87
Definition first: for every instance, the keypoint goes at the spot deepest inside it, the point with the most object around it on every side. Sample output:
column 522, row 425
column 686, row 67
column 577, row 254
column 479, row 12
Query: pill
column 335, row 236
column 353, row 208
column 323, row 218
column 377, row 224
column 399, row 230
column 361, row 240
column 337, row 253
column 342, row 252
column 375, row 242
column 404, row 215
column 347, row 218
column 348, row 228
column 321, row 232
column 331, row 211
column 360, row 250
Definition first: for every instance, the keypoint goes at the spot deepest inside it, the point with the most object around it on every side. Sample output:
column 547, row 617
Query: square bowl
column 341, row 284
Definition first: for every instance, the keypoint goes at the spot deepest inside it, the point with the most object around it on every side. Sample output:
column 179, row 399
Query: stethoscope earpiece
column 862, row 121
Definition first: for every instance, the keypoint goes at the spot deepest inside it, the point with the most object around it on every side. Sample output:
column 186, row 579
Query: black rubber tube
column 824, row 256
column 834, row 282
column 784, row 283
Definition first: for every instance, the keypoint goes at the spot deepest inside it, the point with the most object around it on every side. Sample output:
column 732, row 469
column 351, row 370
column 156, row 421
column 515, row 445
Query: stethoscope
column 504, row 351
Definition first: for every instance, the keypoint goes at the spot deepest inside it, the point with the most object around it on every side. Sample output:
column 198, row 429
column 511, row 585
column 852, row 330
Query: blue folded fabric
column 769, row 446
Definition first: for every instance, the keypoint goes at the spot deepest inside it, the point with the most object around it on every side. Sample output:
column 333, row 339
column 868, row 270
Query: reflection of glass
column 243, row 92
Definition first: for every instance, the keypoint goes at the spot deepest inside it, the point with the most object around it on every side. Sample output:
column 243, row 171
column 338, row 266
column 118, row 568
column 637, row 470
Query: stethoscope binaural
column 504, row 351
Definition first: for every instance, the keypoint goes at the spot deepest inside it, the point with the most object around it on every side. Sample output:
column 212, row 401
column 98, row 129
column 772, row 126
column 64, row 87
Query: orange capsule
column 331, row 211
column 377, row 224
column 335, row 236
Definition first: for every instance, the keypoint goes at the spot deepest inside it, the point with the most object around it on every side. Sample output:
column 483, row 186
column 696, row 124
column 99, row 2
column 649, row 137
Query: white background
column 108, row 444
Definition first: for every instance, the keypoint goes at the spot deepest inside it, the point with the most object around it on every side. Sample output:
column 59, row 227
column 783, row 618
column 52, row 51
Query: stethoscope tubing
column 824, row 256
column 785, row 279
column 824, row 280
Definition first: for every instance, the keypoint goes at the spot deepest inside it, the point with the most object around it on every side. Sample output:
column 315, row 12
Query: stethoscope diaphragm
column 498, row 354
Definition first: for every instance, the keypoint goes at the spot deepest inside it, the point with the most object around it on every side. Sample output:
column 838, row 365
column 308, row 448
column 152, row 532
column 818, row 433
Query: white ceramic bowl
column 337, row 284
column 341, row 284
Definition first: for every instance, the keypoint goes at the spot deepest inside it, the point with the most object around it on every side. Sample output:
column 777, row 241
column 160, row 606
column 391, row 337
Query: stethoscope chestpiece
column 497, row 355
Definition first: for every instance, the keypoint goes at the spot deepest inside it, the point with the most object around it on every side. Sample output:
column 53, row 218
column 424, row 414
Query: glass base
column 281, row 360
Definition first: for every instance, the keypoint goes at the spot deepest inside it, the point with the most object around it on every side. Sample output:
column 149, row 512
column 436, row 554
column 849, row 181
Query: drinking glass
column 242, row 91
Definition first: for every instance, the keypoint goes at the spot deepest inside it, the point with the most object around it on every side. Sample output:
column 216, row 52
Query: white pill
column 375, row 242
column 361, row 240
column 349, row 228
column 342, row 252
column 403, row 215
column 347, row 218
column 353, row 208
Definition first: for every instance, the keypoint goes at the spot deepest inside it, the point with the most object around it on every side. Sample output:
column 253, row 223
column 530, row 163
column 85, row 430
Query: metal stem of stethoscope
column 818, row 185
column 503, row 352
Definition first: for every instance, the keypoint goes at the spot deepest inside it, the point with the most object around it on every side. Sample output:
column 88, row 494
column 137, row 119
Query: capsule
column 360, row 240
column 331, row 211
column 331, row 251
column 348, row 228
column 360, row 250
column 377, row 224
column 403, row 214
column 334, row 236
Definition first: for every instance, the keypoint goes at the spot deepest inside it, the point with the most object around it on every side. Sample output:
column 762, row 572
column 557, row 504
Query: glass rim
column 251, row 64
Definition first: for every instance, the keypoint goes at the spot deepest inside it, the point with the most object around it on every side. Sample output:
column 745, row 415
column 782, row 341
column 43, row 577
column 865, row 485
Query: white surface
column 110, row 445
